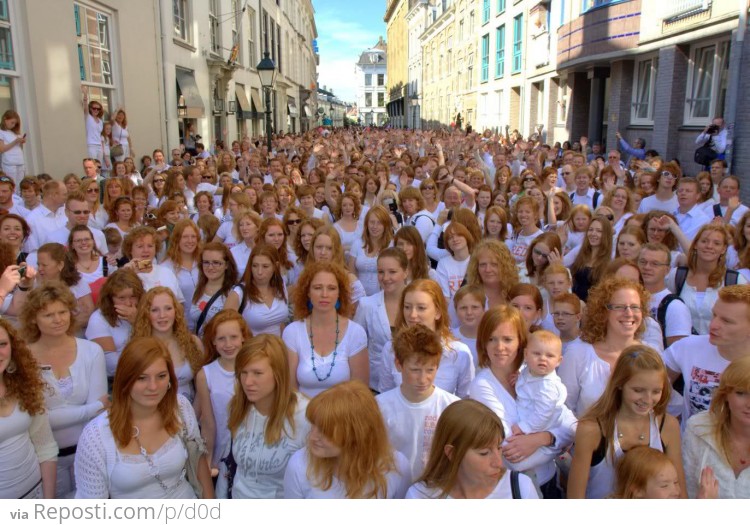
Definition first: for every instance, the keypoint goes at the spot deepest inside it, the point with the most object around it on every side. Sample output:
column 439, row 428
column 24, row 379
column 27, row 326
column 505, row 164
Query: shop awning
column 257, row 106
column 292, row 106
column 190, row 93
column 244, row 110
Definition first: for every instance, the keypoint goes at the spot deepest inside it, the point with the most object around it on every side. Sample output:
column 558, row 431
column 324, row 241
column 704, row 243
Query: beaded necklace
column 335, row 351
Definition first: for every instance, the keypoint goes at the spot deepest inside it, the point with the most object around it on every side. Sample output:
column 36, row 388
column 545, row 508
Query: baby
column 540, row 394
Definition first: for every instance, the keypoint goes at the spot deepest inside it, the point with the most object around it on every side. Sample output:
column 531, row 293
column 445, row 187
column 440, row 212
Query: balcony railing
column 673, row 10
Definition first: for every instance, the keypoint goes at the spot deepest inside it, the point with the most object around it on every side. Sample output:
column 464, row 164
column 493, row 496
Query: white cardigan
column 372, row 316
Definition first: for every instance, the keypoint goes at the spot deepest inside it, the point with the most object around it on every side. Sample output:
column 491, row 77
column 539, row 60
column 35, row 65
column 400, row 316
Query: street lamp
column 414, row 100
column 267, row 73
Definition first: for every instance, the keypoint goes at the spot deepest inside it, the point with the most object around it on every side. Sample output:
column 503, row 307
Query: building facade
column 397, row 69
column 371, row 72
column 416, row 22
column 332, row 111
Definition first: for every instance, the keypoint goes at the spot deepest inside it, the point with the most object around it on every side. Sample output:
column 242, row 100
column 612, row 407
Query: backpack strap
column 515, row 488
column 661, row 314
column 731, row 277
column 717, row 210
column 679, row 279
column 204, row 313
column 242, row 299
column 595, row 200
column 105, row 267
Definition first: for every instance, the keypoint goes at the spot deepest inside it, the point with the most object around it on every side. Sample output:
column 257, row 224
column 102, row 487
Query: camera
column 713, row 128
column 22, row 271
column 391, row 205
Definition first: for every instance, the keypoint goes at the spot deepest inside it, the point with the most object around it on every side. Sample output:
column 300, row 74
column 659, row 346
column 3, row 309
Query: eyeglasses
column 92, row 190
column 292, row 222
column 562, row 314
column 96, row 109
column 212, row 264
column 668, row 174
column 613, row 157
column 646, row 264
column 204, row 177
column 623, row 307
column 79, row 212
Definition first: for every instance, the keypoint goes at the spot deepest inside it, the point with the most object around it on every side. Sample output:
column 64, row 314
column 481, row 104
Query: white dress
column 102, row 471
column 331, row 369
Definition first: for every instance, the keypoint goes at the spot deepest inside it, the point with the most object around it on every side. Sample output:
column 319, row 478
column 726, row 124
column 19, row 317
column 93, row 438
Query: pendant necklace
column 335, row 351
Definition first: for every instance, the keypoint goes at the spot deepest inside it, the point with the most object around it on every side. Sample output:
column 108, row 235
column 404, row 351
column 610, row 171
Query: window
column 265, row 32
column 381, row 100
column 471, row 23
column 644, row 84
column 252, row 57
column 470, row 72
column 707, row 82
column 381, row 79
column 562, row 101
column 500, row 6
column 485, row 58
column 278, row 48
column 500, row 51
column 517, row 44
column 485, row 11
column 368, row 100
column 461, row 30
column 93, row 29
column 181, row 21
column 368, row 79
column 213, row 23
column 591, row 4
column 6, row 43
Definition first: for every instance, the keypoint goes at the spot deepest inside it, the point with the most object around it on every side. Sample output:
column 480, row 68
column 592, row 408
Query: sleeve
column 691, row 462
column 359, row 339
column 569, row 371
column 358, row 291
column 387, row 381
column 527, row 488
column 293, row 477
column 289, row 337
column 92, row 480
column 701, row 138
column 432, row 244
column 443, row 278
column 679, row 322
column 465, row 374
column 720, row 141
column 545, row 402
column 570, row 257
column 481, row 391
column 41, row 437
column 424, row 225
column 360, row 317
column 670, row 281
column 174, row 285
column 627, row 148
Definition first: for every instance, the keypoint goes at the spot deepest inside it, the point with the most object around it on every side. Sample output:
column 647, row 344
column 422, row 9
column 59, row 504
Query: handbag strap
column 204, row 313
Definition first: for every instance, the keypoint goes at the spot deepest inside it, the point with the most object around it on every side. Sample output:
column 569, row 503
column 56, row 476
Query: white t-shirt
column 652, row 203
column 241, row 253
column 196, row 309
column 367, row 267
column 677, row 320
column 501, row 491
column 161, row 276
column 701, row 367
column 351, row 343
column 260, row 318
column 99, row 328
column 297, row 485
column 94, row 129
column 451, row 273
column 411, row 426
column 540, row 401
column 13, row 155
column 585, row 376
column 519, row 245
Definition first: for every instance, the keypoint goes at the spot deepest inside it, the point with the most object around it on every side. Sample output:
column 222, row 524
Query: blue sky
column 345, row 29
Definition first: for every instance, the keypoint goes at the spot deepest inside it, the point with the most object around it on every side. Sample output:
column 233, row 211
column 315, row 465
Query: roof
column 374, row 56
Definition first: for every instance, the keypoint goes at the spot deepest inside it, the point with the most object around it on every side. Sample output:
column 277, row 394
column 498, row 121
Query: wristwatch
column 553, row 442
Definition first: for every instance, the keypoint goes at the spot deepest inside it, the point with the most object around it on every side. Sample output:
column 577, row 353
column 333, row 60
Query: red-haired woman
column 11, row 146
column 137, row 449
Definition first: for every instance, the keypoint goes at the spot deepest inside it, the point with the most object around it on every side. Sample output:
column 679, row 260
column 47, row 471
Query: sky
column 346, row 28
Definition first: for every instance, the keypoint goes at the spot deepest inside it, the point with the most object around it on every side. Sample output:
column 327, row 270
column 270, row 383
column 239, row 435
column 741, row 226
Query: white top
column 454, row 375
column 411, row 426
column 450, row 274
column 102, row 471
column 501, row 491
column 120, row 136
column 519, row 245
column 701, row 367
column 298, row 486
column 261, row 467
column 225, row 234
column 367, row 267
column 652, row 203
column 677, row 321
column 423, row 222
column 701, row 310
column 371, row 316
column 161, row 276
column 184, row 374
column 585, row 376
column 187, row 279
column 241, row 253
column 99, row 328
column 94, row 129
column 60, row 235
column 14, row 155
column 351, row 342
column 70, row 412
column 540, row 401
column 91, row 277
column 260, row 318
column 700, row 450
column 348, row 238
column 197, row 309
column 25, row 442
column 41, row 220
column 220, row 384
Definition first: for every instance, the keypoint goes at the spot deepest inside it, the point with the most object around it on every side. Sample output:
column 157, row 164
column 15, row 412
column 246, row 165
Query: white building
column 371, row 84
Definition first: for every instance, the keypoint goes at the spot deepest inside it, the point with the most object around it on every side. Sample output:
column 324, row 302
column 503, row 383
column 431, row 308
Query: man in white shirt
column 567, row 175
column 729, row 208
column 701, row 359
column 77, row 211
column 672, row 313
column 89, row 168
column 585, row 193
column 689, row 215
column 7, row 202
column 48, row 216
column 194, row 185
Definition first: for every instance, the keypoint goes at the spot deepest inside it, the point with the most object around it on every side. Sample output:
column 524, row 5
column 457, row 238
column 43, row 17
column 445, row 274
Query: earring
column 309, row 304
column 11, row 368
column 169, row 385
column 338, row 304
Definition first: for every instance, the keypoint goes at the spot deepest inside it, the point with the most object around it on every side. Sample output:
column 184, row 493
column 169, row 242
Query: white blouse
column 372, row 316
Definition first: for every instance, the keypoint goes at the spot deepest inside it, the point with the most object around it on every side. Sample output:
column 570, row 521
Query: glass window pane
column 703, row 75
column 6, row 94
column 6, row 49
column 644, row 89
column 4, row 11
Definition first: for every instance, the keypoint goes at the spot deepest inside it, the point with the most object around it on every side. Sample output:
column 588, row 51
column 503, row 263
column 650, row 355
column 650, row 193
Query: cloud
column 341, row 40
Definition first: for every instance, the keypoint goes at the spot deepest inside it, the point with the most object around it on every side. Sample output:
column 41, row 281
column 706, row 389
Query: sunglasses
column 96, row 109
column 158, row 180
column 79, row 212
column 92, row 190
column 206, row 177
column 6, row 180
column 528, row 180
column 668, row 174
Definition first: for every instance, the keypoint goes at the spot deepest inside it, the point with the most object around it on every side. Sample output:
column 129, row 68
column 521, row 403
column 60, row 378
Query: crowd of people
column 372, row 313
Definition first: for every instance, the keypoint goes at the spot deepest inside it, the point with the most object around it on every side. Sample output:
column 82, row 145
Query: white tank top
column 602, row 475
column 221, row 387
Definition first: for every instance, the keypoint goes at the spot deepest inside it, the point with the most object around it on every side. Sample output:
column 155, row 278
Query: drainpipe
column 734, row 85
column 162, row 45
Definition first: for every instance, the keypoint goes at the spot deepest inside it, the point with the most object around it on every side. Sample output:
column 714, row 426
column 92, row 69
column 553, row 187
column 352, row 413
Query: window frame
column 214, row 30
column 719, row 61
column 186, row 16
column 485, row 71
column 251, row 40
column 500, row 7
column 105, row 93
column 500, row 51
column 652, row 63
column 485, row 12
column 517, row 65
